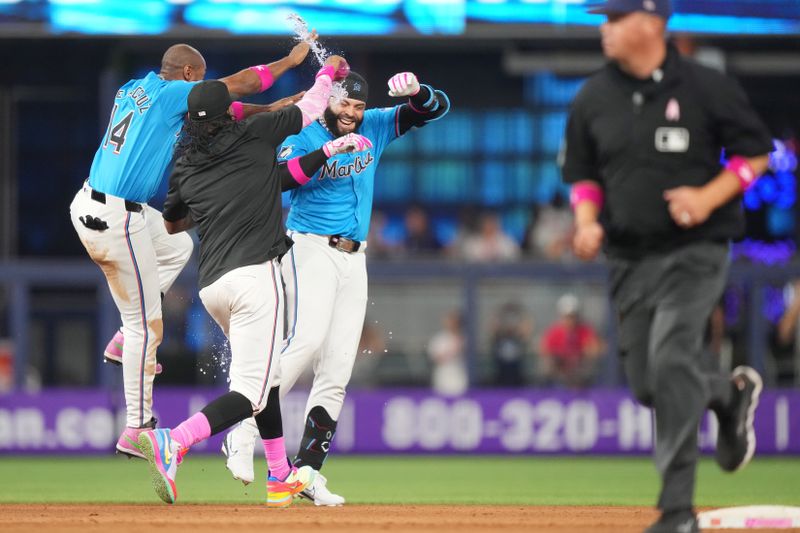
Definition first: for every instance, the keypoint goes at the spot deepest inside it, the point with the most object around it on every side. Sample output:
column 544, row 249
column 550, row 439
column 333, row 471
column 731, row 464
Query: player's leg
column 125, row 254
column 332, row 371
column 310, row 279
column 312, row 273
column 686, row 289
column 248, row 305
column 172, row 253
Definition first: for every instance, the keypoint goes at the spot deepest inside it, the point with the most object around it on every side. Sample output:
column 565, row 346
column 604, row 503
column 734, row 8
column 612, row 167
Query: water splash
column 303, row 35
column 220, row 361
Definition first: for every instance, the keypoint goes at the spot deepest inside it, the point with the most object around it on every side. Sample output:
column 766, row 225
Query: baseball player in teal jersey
column 325, row 271
column 125, row 236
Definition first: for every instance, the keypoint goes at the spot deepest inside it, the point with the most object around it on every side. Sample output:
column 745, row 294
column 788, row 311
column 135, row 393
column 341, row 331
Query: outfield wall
column 83, row 421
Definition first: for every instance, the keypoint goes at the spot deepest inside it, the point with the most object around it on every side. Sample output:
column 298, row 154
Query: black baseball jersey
column 234, row 194
column 638, row 138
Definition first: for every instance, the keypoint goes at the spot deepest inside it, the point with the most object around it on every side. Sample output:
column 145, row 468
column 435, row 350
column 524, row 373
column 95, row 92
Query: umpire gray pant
column 664, row 302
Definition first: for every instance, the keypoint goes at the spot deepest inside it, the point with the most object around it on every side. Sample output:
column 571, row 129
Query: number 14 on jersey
column 117, row 131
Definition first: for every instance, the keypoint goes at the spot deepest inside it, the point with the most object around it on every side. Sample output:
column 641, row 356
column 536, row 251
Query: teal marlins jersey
column 338, row 198
column 137, row 148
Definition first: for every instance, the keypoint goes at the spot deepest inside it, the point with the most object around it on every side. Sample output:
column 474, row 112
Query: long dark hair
column 197, row 137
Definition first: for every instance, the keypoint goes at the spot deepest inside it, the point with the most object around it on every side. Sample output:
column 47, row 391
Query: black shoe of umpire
column 736, row 440
column 675, row 522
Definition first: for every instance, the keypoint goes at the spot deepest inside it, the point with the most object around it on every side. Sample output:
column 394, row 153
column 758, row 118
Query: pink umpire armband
column 264, row 75
column 586, row 191
column 237, row 110
column 297, row 171
column 743, row 170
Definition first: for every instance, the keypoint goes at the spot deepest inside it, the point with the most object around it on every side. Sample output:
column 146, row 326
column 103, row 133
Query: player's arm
column 177, row 226
column 241, row 111
column 275, row 127
column 297, row 171
column 259, row 78
column 176, row 213
column 425, row 104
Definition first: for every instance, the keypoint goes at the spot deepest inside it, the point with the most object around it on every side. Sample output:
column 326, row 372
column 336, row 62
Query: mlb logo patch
column 672, row 140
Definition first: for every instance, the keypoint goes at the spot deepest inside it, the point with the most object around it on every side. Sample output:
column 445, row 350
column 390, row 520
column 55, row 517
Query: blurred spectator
column 490, row 243
column 419, row 239
column 379, row 247
column 786, row 349
column 549, row 234
column 510, row 341
column 570, row 347
column 446, row 351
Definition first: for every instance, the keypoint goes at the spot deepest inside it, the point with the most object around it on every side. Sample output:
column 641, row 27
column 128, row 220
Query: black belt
column 343, row 243
column 133, row 207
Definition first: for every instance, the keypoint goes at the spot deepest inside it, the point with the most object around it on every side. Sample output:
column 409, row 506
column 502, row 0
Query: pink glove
column 352, row 142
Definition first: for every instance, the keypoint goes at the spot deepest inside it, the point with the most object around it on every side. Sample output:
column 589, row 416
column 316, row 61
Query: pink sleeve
column 297, row 171
column 315, row 100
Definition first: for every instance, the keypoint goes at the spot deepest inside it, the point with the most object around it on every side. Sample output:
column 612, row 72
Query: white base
column 751, row 517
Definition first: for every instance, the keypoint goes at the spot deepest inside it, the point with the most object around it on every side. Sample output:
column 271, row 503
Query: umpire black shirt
column 638, row 138
column 233, row 194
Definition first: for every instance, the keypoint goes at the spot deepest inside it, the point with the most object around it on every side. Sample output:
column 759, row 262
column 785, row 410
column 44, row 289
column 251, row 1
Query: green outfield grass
column 408, row 480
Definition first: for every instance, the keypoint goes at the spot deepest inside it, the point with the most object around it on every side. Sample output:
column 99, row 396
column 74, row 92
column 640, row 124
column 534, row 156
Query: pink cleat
column 128, row 442
column 113, row 353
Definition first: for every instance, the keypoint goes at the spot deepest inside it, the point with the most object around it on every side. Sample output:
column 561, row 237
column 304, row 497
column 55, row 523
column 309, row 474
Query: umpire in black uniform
column 643, row 148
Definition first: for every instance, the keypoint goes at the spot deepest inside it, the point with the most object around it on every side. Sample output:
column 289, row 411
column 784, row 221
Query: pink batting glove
column 352, row 142
column 403, row 84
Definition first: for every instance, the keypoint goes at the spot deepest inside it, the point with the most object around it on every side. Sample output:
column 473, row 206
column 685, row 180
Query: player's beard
column 331, row 121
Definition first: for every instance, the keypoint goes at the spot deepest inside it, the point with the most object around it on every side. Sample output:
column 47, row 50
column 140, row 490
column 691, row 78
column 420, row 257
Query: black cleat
column 675, row 522
column 736, row 440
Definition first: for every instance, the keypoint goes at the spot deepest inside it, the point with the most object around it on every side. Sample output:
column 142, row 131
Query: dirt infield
column 304, row 517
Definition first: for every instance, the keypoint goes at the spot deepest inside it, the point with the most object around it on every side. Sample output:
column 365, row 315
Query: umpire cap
column 208, row 100
column 661, row 8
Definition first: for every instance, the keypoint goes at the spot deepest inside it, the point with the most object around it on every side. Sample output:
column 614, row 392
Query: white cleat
column 238, row 448
column 318, row 493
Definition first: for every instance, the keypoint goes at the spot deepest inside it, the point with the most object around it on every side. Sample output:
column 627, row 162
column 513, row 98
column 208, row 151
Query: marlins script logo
column 335, row 169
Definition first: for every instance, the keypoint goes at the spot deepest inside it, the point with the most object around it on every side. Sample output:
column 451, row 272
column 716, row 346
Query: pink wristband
column 264, row 75
column 327, row 70
column 297, row 171
column 237, row 110
column 586, row 191
column 743, row 170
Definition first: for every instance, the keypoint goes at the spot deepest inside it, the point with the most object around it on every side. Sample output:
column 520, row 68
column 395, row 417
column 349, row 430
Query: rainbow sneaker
column 164, row 455
column 280, row 493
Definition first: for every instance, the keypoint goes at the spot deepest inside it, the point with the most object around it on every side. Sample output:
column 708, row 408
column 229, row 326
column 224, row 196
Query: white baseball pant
column 247, row 303
column 140, row 261
column 326, row 295
column 326, row 301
